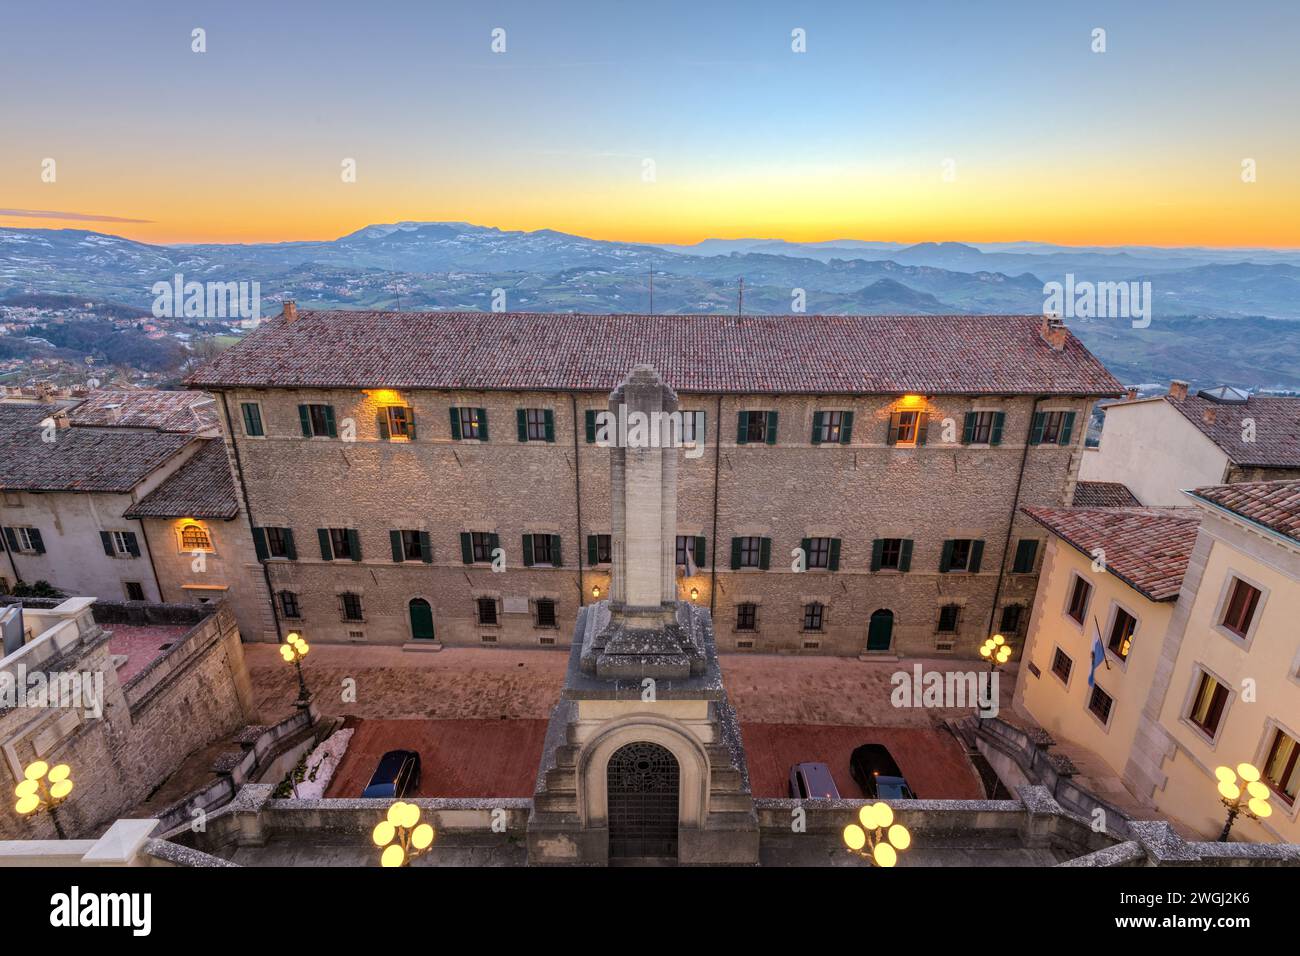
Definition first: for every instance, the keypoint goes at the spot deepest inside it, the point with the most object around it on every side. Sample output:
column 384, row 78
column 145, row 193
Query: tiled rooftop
column 1263, row 431
column 1104, row 494
column 825, row 354
column 1146, row 548
column 147, row 408
column 77, row 459
column 200, row 488
column 1273, row 504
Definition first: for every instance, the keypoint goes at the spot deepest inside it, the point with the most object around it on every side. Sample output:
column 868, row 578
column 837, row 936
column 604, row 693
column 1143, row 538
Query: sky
column 656, row 122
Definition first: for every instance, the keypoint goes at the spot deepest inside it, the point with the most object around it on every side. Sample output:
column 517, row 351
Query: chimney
column 1053, row 331
column 61, row 420
column 1210, row 414
column 290, row 311
column 1178, row 389
column 1131, row 394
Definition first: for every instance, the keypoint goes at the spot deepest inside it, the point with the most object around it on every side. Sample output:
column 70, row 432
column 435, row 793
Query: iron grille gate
column 643, row 784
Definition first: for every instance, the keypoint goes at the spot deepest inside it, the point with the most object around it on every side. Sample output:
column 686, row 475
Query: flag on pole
column 1098, row 653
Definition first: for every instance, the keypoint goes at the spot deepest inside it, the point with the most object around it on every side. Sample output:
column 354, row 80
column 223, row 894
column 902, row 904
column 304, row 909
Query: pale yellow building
column 1109, row 576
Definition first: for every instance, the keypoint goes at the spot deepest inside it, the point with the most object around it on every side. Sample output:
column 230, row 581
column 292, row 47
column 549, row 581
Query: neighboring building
column 1227, row 689
column 1113, row 576
column 127, row 496
column 1209, row 679
column 386, row 457
column 1103, row 494
column 1161, row 445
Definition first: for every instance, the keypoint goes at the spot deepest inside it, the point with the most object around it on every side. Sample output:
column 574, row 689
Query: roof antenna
column 652, row 287
column 740, row 302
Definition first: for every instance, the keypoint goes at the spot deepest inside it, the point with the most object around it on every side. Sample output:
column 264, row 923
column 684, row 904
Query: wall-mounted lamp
column 695, row 593
column 595, row 591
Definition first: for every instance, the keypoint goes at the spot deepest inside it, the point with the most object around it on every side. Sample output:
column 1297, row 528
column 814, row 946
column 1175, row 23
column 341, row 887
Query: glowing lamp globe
column 396, row 813
column 1225, row 774
column 61, row 772
column 36, row 770
column 884, row 814
column 884, row 855
column 1258, row 789
column 26, row 788
column 383, row 833
column 393, row 856
column 1261, row 808
column 855, row 838
column 900, row 836
column 27, row 804
column 1247, row 772
column 61, row 789
column 422, row 836
column 1230, row 791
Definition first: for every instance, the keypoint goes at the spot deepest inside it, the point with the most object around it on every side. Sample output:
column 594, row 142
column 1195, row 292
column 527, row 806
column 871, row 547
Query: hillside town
column 855, row 574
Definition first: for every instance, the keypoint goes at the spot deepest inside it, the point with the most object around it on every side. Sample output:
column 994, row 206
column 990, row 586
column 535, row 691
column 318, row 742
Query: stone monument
column 643, row 761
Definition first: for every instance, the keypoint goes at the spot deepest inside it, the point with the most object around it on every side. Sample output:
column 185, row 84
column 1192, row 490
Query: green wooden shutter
column 735, row 554
column 805, row 544
column 1067, row 429
column 817, row 428
column 590, row 416
column 466, row 548
column 521, row 423
column 410, row 423
column 835, row 554
column 593, row 550
column 354, row 544
column 426, row 548
column 290, row 551
column 1026, row 552
column 38, row 543
column 12, row 539
column 699, row 551
column 877, row 550
column 895, row 420
column 304, row 419
column 742, row 428
column 106, row 539
column 905, row 558
column 326, row 552
column 1036, row 433
column 556, row 558
column 528, row 550
column 968, row 429
column 765, row 554
column 494, row 543
column 381, row 423
column 395, row 541
column 771, row 428
column 455, row 422
column 329, row 422
column 922, row 427
column 259, row 544
column 995, row 435
column 550, row 425
column 846, row 429
column 976, row 556
column 945, row 559
column 482, row 424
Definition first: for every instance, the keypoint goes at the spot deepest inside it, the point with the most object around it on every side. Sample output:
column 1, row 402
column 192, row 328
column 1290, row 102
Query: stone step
column 548, row 802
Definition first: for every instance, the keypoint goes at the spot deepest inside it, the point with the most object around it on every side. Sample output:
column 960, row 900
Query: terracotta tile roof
column 79, row 459
column 201, row 488
column 1276, row 428
column 1273, row 504
column 1146, row 548
column 147, row 408
column 1104, row 494
column 695, row 353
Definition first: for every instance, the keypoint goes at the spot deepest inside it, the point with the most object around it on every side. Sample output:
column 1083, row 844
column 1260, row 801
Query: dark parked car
column 812, row 781
column 397, row 775
column 874, row 770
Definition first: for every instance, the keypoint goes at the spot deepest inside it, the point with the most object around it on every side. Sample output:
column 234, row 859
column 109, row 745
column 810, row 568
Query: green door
column 421, row 620
column 881, row 630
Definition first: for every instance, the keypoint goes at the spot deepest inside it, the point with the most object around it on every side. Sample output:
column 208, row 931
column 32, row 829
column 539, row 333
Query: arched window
column 194, row 537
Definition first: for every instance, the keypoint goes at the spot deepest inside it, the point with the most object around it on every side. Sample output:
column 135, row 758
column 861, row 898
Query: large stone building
column 438, row 477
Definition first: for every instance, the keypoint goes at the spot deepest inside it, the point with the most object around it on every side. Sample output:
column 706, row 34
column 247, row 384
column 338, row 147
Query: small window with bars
column 544, row 612
column 813, row 616
column 1062, row 665
column 487, row 611
column 289, row 606
column 350, row 604
column 1100, row 704
column 747, row 617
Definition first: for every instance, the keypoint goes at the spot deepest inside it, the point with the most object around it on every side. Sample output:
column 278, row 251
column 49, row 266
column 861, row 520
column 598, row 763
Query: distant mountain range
column 1204, row 299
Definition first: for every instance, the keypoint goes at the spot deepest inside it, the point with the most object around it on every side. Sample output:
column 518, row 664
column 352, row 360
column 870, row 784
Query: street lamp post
column 401, row 835
column 879, row 839
column 43, row 788
column 996, row 651
column 294, row 650
column 1247, row 796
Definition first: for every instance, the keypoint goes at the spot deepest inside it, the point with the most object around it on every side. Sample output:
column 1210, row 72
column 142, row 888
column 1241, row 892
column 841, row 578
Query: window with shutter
column 746, row 617
column 469, row 423
column 1026, row 555
column 252, row 414
column 317, row 421
column 397, row 423
column 589, row 417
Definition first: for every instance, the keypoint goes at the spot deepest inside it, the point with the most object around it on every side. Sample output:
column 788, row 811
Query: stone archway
column 643, row 791
column 880, row 632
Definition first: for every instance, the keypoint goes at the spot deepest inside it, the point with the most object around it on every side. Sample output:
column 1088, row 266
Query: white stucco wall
column 1153, row 449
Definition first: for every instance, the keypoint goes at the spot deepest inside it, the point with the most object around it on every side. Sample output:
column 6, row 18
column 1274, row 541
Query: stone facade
column 788, row 491
column 193, row 694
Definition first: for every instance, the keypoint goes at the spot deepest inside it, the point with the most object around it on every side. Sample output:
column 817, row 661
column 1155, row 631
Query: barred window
column 194, row 537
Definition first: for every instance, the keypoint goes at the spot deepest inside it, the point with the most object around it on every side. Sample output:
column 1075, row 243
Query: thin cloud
column 54, row 214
